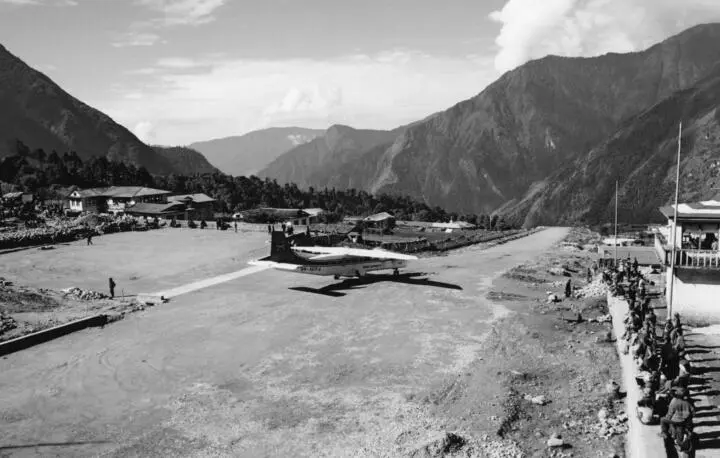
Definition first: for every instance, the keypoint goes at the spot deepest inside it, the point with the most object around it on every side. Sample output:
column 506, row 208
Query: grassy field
column 139, row 262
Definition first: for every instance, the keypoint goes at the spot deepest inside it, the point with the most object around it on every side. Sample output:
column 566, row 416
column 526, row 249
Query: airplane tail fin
column 279, row 245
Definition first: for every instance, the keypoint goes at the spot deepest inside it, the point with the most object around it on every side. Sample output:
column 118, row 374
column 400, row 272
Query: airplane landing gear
column 396, row 273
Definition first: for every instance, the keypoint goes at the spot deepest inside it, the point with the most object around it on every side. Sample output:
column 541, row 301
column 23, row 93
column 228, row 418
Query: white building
column 696, row 286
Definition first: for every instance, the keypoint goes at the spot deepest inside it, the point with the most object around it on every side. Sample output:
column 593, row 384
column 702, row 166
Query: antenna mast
column 674, row 226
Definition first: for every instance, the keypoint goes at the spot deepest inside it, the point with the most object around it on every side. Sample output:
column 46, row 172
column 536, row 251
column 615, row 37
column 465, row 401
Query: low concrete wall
column 642, row 440
column 23, row 342
column 696, row 294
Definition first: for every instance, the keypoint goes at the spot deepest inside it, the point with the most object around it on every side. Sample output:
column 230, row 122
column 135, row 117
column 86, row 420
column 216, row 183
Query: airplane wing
column 275, row 265
column 332, row 253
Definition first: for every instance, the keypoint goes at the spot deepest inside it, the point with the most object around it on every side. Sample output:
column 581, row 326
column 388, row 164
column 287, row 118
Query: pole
column 615, row 264
column 674, row 234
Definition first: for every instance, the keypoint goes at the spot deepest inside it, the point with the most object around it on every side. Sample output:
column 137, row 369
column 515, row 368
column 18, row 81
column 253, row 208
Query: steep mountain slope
column 38, row 112
column 317, row 163
column 184, row 160
column 247, row 154
column 490, row 149
column 641, row 155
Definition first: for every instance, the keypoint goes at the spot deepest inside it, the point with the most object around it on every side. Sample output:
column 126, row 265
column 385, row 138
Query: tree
column 21, row 149
column 45, row 171
column 501, row 224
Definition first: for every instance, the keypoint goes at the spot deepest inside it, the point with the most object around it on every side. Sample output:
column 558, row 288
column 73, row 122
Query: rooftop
column 197, row 198
column 13, row 195
column 709, row 209
column 120, row 192
column 646, row 256
column 379, row 217
column 156, row 209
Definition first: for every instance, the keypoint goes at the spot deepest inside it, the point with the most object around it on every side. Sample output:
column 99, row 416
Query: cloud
column 311, row 103
column 145, row 131
column 190, row 100
column 181, row 63
column 182, row 12
column 46, row 67
column 137, row 39
column 532, row 29
column 41, row 2
column 169, row 13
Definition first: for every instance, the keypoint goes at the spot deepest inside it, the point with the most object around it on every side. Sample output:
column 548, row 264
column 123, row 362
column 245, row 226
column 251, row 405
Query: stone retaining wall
column 29, row 340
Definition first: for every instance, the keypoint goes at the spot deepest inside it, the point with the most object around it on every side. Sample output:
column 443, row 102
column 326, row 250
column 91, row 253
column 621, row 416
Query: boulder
column 537, row 400
column 439, row 446
column 555, row 441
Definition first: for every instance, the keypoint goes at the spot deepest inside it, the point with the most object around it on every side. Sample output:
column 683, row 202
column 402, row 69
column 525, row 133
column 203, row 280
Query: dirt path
column 643, row 440
column 206, row 283
column 269, row 364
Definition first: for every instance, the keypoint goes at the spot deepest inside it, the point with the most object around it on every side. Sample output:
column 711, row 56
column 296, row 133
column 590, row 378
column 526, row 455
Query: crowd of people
column 664, row 372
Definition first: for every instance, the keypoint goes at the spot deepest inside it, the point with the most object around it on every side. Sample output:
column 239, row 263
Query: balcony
column 696, row 259
column 687, row 258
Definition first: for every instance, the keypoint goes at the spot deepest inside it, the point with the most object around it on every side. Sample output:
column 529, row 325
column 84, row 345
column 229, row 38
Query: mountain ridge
column 41, row 114
column 483, row 152
column 251, row 152
column 318, row 162
column 583, row 192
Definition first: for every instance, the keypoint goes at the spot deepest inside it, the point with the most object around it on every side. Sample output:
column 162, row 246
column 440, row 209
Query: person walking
column 111, row 284
column 89, row 238
column 236, row 227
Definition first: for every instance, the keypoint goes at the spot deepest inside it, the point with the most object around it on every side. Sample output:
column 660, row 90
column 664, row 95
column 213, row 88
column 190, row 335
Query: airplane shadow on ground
column 409, row 278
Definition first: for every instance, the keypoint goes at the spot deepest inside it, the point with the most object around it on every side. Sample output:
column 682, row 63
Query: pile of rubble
column 7, row 323
column 448, row 444
column 538, row 400
column 496, row 449
column 572, row 247
column 84, row 294
column 559, row 271
column 595, row 289
column 608, row 426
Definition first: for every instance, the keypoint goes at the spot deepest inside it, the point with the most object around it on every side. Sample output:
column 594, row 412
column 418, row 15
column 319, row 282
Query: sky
column 180, row 71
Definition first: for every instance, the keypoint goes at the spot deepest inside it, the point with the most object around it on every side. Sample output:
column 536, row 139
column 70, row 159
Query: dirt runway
column 270, row 364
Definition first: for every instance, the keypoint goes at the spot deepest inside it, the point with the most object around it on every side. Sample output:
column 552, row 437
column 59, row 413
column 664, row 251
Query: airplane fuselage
column 350, row 269
column 329, row 261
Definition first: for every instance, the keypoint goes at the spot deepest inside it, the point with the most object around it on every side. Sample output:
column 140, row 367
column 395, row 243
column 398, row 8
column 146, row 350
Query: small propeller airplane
column 335, row 261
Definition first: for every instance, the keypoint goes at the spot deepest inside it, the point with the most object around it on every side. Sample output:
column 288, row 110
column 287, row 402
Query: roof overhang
column 705, row 211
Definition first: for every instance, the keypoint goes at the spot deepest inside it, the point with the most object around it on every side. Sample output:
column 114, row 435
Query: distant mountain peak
column 340, row 128
column 251, row 152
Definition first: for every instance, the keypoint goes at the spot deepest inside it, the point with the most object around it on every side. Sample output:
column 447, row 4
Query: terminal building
column 697, row 260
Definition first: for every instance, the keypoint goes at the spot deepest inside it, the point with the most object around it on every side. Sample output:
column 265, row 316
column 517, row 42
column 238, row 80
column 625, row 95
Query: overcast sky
column 179, row 71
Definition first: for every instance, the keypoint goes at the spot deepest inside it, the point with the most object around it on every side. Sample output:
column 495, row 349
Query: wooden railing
column 696, row 259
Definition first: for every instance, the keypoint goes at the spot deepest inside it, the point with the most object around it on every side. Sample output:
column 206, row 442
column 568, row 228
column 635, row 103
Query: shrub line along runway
column 269, row 364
